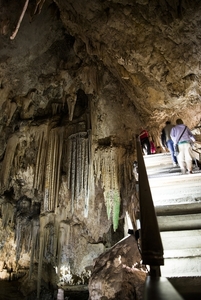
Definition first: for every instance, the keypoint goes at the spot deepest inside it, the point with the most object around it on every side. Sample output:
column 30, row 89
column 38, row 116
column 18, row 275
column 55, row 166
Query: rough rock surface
column 118, row 274
column 77, row 80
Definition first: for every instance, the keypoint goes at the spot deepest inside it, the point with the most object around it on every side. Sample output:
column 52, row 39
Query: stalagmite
column 46, row 221
column 63, row 242
column 23, row 228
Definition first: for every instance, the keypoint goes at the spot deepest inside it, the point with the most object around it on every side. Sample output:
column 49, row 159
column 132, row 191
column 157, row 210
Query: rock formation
column 77, row 81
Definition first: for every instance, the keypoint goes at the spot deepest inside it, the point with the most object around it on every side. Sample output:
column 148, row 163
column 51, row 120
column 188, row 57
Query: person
column 182, row 136
column 152, row 147
column 144, row 140
column 167, row 142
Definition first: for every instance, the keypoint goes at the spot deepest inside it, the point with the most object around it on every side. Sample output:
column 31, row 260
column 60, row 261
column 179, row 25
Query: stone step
column 176, row 189
column 169, row 181
column 157, row 159
column 183, row 208
column 179, row 222
column 179, row 217
column 181, row 267
column 182, row 253
column 181, row 240
column 177, row 201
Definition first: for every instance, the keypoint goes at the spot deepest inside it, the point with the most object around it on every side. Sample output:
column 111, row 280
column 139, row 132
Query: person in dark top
column 167, row 142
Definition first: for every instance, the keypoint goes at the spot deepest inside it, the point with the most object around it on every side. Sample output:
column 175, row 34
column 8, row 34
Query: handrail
column 156, row 287
column 151, row 244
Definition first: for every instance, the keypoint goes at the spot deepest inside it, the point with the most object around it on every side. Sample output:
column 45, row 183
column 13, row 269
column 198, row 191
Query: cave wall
column 77, row 81
column 67, row 148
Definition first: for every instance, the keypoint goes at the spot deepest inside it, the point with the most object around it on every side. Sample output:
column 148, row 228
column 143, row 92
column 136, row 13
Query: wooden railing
column 156, row 287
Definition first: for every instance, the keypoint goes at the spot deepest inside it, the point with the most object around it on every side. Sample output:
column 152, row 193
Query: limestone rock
column 118, row 273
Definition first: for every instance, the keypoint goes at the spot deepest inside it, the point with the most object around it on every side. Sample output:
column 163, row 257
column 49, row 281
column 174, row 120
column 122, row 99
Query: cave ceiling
column 150, row 50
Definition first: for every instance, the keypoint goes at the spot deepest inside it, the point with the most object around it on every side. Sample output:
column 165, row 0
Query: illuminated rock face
column 78, row 80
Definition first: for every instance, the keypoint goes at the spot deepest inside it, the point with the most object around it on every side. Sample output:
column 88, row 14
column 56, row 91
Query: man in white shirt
column 182, row 136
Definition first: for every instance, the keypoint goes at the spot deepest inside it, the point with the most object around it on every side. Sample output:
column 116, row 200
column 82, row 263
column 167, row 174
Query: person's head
column 179, row 122
column 167, row 122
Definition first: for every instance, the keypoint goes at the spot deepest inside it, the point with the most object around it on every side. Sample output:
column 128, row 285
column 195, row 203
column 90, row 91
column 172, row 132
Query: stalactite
column 22, row 234
column 12, row 106
column 18, row 232
column 69, row 161
column 90, row 75
column 58, row 169
column 86, row 178
column 34, row 243
column 52, row 172
column 7, row 162
column 78, row 169
column 125, row 177
column 55, row 108
column 37, row 168
column 82, row 163
column 53, row 166
column 41, row 140
column 77, row 173
column 107, row 168
column 71, row 101
column 38, row 7
column 47, row 177
column 116, row 209
column 40, row 161
column 73, row 172
column 7, row 211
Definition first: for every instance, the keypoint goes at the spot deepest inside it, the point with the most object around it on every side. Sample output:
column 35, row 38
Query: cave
column 78, row 79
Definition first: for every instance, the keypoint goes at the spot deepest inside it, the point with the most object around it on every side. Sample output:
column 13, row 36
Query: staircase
column 177, row 201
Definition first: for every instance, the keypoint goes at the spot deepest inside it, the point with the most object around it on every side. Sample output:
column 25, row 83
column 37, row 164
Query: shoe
column 175, row 164
column 190, row 172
